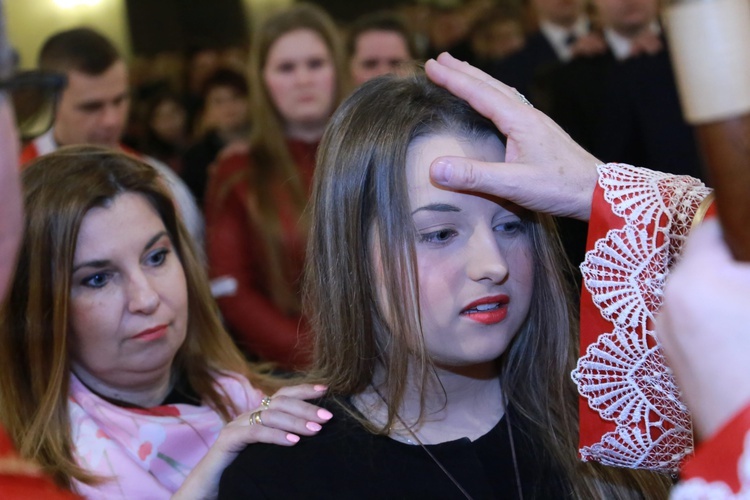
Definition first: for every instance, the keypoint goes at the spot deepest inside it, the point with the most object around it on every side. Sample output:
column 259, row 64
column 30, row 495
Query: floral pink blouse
column 146, row 453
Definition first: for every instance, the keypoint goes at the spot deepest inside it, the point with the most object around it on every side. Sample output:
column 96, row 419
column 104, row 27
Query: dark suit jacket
column 520, row 70
column 625, row 111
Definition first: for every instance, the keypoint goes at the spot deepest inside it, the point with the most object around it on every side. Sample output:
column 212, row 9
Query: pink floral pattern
column 146, row 453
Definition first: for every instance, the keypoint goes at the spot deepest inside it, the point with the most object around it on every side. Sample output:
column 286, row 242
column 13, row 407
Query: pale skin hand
column 704, row 329
column 545, row 170
column 287, row 418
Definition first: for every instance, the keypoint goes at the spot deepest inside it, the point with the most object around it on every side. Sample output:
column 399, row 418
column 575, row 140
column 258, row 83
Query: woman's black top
column 346, row 461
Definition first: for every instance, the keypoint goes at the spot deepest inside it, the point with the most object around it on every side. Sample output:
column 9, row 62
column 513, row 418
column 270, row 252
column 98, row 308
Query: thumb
column 464, row 174
column 532, row 187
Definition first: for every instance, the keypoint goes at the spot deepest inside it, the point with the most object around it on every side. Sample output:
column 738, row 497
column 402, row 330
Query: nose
column 304, row 75
column 113, row 116
column 485, row 260
column 142, row 296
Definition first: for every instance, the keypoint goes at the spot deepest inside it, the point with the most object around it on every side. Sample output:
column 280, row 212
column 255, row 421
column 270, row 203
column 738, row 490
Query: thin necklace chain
column 442, row 467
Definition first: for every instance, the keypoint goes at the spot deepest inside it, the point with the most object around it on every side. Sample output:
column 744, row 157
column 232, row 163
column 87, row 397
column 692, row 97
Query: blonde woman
column 255, row 200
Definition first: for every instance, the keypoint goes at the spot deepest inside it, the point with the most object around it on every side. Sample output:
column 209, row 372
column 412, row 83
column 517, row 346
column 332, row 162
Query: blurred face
column 562, row 12
column 474, row 260
column 377, row 53
column 93, row 109
column 503, row 39
column 300, row 78
column 627, row 17
column 169, row 121
column 128, row 305
column 226, row 109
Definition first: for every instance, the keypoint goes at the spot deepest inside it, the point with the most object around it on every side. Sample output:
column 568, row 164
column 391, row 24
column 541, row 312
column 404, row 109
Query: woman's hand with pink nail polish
column 281, row 421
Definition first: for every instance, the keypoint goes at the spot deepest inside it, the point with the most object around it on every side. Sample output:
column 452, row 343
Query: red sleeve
column 20, row 479
column 234, row 249
column 630, row 414
column 592, row 324
column 718, row 459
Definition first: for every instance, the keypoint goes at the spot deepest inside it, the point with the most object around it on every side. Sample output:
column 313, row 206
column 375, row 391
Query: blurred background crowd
column 231, row 97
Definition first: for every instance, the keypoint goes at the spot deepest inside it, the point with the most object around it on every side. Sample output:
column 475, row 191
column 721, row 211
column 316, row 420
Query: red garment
column 630, row 411
column 720, row 466
column 235, row 249
column 29, row 153
column 20, row 480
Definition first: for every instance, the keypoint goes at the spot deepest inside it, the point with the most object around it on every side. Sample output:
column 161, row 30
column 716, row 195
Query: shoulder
column 340, row 449
column 28, row 153
column 230, row 164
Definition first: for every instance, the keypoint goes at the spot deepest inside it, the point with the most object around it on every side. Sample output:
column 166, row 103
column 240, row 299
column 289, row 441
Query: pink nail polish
column 325, row 414
column 320, row 387
column 313, row 426
column 292, row 438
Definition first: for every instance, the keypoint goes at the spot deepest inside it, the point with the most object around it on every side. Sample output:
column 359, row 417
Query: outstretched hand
column 544, row 169
column 704, row 329
column 281, row 420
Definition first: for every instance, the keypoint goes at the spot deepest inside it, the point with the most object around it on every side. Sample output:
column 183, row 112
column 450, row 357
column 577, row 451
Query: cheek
column 328, row 81
column 275, row 88
column 521, row 264
column 88, row 326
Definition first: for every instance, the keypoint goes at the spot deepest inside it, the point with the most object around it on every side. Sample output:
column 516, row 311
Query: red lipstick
column 487, row 310
column 154, row 333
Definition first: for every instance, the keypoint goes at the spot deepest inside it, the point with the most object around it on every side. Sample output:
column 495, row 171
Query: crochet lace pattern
column 623, row 375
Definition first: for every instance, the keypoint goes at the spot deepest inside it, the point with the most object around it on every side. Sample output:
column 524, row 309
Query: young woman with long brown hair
column 255, row 201
column 441, row 323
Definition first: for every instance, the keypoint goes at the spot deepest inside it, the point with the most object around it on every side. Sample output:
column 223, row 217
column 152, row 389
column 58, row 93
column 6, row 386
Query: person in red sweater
column 255, row 200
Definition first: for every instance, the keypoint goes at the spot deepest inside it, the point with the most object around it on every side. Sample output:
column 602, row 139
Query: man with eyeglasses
column 93, row 108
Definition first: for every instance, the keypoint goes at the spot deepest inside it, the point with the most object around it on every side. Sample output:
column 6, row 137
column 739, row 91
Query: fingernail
column 320, row 387
column 442, row 171
column 325, row 414
column 292, row 438
column 313, row 426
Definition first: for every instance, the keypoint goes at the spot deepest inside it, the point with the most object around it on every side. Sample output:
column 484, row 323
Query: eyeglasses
column 34, row 97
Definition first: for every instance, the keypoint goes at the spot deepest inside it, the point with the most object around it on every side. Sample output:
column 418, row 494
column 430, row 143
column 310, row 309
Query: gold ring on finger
column 255, row 418
column 265, row 402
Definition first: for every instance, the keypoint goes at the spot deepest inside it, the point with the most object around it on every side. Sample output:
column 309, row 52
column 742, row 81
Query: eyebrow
column 105, row 263
column 438, row 207
column 97, row 103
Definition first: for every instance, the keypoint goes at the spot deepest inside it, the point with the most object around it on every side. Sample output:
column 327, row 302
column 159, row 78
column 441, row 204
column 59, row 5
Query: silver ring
column 522, row 98
column 255, row 418
column 265, row 402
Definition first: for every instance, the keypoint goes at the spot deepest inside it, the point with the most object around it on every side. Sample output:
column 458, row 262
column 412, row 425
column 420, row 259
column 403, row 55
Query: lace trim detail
column 623, row 375
column 699, row 489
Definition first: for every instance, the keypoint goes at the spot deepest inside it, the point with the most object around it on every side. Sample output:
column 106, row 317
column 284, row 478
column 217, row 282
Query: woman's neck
column 145, row 395
column 308, row 132
column 457, row 403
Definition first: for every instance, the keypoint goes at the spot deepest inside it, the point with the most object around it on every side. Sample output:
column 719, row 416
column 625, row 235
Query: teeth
column 487, row 307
